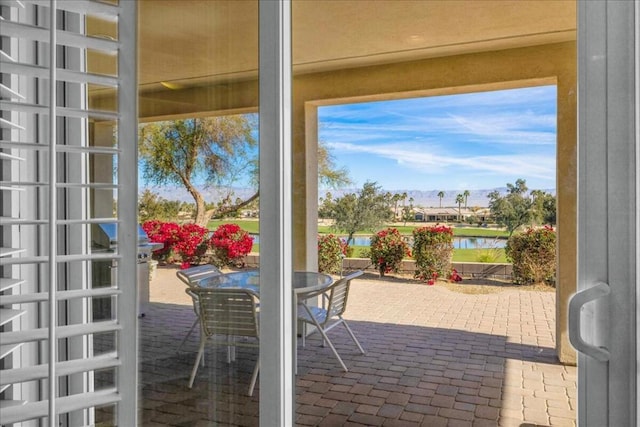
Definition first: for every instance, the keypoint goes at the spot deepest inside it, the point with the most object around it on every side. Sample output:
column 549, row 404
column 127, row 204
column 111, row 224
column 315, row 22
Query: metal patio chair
column 225, row 314
column 190, row 277
column 330, row 314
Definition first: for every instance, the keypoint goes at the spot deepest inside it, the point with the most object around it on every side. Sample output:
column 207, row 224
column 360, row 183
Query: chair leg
column 203, row 341
column 188, row 335
column 254, row 377
column 353, row 337
column 326, row 338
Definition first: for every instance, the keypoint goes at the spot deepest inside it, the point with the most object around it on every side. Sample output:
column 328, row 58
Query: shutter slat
column 60, row 295
column 5, row 251
column 8, row 314
column 17, row 337
column 10, row 92
column 60, row 148
column 26, row 107
column 7, row 283
column 93, row 7
column 6, row 350
column 21, row 69
column 65, row 38
column 60, row 258
column 34, row 410
column 32, row 373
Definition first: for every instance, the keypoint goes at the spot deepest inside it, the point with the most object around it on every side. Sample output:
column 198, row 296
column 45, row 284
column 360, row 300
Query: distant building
column 450, row 214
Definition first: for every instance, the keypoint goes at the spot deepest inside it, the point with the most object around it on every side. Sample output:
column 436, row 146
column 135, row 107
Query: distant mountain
column 428, row 198
column 210, row 194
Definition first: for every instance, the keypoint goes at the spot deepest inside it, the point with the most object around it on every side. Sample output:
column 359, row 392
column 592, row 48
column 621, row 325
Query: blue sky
column 455, row 142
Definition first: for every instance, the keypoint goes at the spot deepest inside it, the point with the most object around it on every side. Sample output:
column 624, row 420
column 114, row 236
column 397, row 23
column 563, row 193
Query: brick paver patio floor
column 434, row 357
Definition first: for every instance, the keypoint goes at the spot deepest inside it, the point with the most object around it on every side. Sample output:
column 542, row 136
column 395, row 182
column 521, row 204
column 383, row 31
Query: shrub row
column 532, row 253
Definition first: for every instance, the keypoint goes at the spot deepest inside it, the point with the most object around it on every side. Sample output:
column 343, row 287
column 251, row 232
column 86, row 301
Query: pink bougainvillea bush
column 433, row 252
column 388, row 248
column 230, row 244
column 331, row 251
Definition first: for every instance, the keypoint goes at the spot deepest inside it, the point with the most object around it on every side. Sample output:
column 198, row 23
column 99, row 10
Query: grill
column 105, row 239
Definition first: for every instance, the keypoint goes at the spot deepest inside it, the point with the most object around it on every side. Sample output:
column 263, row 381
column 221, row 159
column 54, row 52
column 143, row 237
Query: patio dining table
column 303, row 283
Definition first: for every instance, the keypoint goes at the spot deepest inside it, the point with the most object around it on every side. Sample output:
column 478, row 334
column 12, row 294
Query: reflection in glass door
column 198, row 156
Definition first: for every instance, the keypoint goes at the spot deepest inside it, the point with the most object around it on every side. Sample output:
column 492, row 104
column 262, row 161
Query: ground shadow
column 410, row 375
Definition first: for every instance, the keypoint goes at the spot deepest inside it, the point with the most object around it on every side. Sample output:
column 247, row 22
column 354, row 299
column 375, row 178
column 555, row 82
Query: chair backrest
column 228, row 311
column 339, row 294
column 190, row 276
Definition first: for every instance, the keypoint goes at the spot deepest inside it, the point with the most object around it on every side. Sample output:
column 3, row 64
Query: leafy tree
column 365, row 210
column 326, row 206
column 544, row 205
column 440, row 196
column 459, row 201
column 407, row 212
column 211, row 148
column 329, row 174
column 514, row 209
column 152, row 206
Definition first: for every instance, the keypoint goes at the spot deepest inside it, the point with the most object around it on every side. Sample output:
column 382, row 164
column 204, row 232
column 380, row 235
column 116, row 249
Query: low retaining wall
column 464, row 269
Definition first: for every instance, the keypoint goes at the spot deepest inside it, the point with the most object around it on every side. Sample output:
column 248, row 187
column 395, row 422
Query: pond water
column 458, row 242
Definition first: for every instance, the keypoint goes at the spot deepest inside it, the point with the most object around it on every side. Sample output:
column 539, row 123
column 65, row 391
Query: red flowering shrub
column 533, row 254
column 388, row 248
column 455, row 277
column 192, row 244
column 434, row 278
column 167, row 233
column 432, row 251
column 331, row 251
column 230, row 243
column 186, row 243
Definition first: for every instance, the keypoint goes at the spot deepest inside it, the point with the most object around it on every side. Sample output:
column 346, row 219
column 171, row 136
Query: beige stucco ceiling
column 189, row 42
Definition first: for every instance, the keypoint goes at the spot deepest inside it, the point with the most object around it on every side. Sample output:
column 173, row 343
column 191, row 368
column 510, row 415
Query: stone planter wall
column 465, row 269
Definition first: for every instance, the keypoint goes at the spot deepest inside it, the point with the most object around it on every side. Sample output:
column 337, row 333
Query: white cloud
column 421, row 161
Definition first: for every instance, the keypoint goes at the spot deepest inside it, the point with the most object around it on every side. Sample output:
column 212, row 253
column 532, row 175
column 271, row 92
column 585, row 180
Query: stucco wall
column 548, row 64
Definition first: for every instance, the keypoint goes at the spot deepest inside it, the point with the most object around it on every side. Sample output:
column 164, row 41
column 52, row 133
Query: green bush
column 388, row 248
column 432, row 251
column 489, row 253
column 331, row 251
column 533, row 255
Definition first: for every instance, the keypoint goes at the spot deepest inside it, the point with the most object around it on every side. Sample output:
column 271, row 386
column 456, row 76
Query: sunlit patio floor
column 434, row 357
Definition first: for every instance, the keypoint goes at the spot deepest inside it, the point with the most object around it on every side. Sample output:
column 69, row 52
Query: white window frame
column 33, row 375
column 277, row 380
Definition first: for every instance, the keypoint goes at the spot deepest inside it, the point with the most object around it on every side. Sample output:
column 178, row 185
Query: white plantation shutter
column 67, row 350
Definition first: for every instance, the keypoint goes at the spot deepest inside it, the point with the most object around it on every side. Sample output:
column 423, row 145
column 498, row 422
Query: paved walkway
column 434, row 358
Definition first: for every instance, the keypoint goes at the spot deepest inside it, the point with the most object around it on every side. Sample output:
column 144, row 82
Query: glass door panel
column 198, row 152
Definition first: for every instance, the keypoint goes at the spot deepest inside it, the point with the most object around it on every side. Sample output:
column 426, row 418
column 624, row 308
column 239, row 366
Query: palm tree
column 466, row 194
column 440, row 195
column 459, row 201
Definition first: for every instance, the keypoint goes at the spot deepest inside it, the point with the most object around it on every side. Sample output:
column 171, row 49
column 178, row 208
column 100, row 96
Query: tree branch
column 233, row 208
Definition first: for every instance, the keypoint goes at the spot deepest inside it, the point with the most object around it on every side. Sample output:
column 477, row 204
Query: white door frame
column 603, row 315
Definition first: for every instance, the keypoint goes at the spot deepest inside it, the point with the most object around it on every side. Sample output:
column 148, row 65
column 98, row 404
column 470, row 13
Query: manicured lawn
column 471, row 255
column 459, row 255
column 251, row 226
